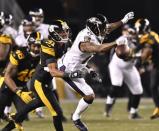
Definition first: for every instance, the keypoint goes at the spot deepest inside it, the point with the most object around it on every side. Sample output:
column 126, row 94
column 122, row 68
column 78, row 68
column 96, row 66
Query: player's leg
column 155, row 92
column 49, row 100
column 18, row 118
column 58, row 82
column 81, row 87
column 5, row 97
column 133, row 81
column 116, row 77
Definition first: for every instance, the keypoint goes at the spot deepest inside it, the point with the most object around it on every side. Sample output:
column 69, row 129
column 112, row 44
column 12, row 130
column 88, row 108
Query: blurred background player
column 25, row 29
column 8, row 28
column 21, row 66
column 38, row 15
column 122, row 69
column 149, row 42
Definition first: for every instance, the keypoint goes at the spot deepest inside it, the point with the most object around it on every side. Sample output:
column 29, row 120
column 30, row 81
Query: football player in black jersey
column 149, row 42
column 45, row 71
column 21, row 66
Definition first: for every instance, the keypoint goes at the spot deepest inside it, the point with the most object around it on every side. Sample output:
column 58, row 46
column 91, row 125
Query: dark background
column 77, row 11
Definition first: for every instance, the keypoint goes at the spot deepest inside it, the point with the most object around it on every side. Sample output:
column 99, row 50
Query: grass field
column 95, row 119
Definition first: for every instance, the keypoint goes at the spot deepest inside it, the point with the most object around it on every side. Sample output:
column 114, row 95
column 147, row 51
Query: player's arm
column 146, row 53
column 52, row 68
column 11, row 71
column 115, row 25
column 93, row 48
column 54, row 71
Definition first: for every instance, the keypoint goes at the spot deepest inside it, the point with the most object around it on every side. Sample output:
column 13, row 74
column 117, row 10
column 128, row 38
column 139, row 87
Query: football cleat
column 155, row 114
column 40, row 114
column 80, row 125
column 134, row 116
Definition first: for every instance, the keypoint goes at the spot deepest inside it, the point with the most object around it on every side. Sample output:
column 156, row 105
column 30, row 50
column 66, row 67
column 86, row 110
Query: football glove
column 25, row 96
column 128, row 17
column 77, row 74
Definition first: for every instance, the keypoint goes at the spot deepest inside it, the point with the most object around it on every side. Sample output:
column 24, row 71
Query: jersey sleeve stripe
column 48, row 50
column 13, row 60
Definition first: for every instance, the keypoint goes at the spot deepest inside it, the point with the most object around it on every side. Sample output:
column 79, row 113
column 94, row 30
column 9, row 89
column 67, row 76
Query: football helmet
column 142, row 26
column 28, row 25
column 38, row 14
column 59, row 31
column 34, row 43
column 2, row 22
column 8, row 19
column 98, row 26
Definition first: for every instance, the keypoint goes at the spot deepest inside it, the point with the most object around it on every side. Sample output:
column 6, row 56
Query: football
column 122, row 51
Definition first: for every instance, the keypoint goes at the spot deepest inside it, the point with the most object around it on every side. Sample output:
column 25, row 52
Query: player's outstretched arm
column 91, row 47
column 115, row 25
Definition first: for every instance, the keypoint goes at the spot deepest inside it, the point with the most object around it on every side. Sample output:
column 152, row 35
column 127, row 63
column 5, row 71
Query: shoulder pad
column 48, row 43
column 5, row 39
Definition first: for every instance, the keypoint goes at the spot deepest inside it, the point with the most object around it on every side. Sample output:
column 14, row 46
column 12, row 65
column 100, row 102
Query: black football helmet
column 59, row 31
column 34, row 43
column 35, row 38
column 98, row 25
column 142, row 26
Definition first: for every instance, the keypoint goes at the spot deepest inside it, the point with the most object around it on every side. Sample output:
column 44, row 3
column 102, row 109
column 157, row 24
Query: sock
column 58, row 123
column 7, row 110
column 109, row 100
column 39, row 109
column 133, row 110
column 82, row 106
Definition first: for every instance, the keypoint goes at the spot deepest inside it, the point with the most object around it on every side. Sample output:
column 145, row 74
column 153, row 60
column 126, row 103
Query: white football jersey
column 8, row 30
column 43, row 29
column 21, row 41
column 76, row 59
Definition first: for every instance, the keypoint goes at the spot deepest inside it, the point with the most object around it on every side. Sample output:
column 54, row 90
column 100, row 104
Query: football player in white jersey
column 7, row 27
column 27, row 28
column 88, row 42
column 38, row 15
column 124, row 70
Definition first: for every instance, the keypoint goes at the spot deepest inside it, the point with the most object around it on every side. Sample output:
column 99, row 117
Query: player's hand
column 25, row 96
column 128, row 17
column 77, row 74
column 95, row 76
column 122, row 41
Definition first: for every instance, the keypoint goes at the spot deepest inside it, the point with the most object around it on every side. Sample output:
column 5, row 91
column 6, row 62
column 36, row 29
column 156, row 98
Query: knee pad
column 90, row 101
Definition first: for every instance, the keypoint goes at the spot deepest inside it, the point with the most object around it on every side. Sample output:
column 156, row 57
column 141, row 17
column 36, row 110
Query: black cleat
column 80, row 125
column 135, row 116
column 155, row 116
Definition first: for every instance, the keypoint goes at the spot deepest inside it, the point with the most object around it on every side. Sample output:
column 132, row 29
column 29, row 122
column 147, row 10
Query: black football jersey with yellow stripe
column 25, row 63
column 50, row 52
column 151, row 39
column 5, row 45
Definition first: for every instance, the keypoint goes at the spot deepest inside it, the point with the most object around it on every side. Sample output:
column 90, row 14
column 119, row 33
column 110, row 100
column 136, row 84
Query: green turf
column 96, row 121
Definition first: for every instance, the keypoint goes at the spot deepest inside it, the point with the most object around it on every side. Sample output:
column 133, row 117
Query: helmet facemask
column 34, row 43
column 59, row 33
column 98, row 26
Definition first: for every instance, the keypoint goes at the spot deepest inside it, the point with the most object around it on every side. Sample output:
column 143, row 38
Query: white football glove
column 128, row 17
column 122, row 41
